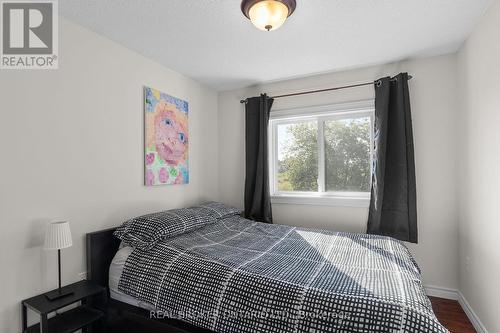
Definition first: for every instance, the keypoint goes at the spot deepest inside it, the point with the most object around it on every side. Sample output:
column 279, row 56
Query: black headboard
column 101, row 248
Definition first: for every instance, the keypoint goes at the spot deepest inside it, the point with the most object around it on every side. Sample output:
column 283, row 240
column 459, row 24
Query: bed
column 235, row 275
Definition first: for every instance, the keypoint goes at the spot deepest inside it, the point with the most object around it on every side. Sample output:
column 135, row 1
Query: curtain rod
column 327, row 89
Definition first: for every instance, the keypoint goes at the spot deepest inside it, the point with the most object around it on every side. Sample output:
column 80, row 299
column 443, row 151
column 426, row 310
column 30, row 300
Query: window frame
column 320, row 114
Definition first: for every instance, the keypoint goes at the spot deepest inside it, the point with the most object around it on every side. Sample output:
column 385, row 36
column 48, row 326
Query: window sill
column 334, row 201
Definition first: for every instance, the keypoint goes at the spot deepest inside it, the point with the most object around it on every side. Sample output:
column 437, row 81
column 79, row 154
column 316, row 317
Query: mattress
column 115, row 273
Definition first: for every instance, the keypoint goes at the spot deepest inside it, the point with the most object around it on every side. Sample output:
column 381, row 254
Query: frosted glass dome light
column 268, row 15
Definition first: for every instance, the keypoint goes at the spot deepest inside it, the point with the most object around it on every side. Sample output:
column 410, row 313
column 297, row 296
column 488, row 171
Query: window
column 322, row 155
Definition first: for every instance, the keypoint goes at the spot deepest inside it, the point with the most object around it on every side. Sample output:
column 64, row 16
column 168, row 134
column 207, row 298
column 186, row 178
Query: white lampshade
column 58, row 236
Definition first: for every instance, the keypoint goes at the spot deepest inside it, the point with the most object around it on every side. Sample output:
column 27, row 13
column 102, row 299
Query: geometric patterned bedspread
column 237, row 275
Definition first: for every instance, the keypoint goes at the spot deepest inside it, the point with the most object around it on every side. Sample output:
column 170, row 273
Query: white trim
column 476, row 322
column 321, row 181
column 457, row 296
column 318, row 114
column 321, row 200
column 313, row 111
column 273, row 159
column 442, row 292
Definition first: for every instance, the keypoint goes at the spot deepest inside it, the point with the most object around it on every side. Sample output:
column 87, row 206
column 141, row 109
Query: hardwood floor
column 451, row 315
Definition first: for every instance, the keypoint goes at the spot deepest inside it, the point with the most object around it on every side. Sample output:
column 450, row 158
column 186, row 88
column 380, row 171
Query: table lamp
column 57, row 237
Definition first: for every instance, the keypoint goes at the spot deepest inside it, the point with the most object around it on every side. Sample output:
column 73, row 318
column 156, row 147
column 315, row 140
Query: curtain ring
column 378, row 83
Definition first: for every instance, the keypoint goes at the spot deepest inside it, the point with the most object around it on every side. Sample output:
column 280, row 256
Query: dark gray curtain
column 393, row 205
column 257, row 196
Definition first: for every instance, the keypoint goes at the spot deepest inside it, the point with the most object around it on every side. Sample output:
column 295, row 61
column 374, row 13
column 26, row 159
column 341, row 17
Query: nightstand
column 80, row 317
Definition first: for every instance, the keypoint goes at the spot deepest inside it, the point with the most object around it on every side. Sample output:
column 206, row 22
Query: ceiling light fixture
column 268, row 15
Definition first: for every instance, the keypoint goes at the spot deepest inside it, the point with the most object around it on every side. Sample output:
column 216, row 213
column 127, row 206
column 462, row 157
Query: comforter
column 237, row 275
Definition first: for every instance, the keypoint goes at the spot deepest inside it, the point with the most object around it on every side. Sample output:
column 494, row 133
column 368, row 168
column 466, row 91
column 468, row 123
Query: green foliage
column 347, row 156
column 284, row 182
column 300, row 165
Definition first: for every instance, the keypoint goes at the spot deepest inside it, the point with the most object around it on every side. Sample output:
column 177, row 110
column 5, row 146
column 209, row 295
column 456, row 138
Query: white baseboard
column 474, row 319
column 442, row 292
column 457, row 296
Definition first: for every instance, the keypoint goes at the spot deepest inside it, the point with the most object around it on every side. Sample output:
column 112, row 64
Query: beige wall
column 433, row 94
column 71, row 143
column 479, row 226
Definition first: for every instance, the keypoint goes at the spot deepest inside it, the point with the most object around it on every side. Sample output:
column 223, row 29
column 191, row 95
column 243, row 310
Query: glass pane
column 347, row 155
column 297, row 156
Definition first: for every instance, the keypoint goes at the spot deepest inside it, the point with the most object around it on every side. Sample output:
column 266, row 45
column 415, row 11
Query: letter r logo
column 27, row 28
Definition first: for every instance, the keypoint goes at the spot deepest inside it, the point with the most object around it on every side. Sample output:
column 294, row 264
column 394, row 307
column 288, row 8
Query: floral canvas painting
column 167, row 139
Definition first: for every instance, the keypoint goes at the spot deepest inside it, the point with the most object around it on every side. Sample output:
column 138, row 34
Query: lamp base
column 57, row 294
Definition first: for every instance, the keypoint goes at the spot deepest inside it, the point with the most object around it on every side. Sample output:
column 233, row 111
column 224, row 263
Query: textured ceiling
column 212, row 42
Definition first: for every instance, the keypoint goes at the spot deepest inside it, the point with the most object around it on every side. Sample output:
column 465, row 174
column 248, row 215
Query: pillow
column 145, row 231
column 221, row 210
